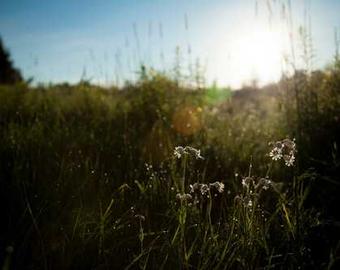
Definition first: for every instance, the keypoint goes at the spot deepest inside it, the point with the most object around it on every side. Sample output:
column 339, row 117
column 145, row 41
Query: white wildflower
column 276, row 153
column 188, row 150
column 247, row 181
column 183, row 197
column 179, row 151
column 204, row 189
column 218, row 185
column 289, row 159
column 187, row 197
column 195, row 152
column 285, row 150
column 264, row 183
column 194, row 187
column 267, row 184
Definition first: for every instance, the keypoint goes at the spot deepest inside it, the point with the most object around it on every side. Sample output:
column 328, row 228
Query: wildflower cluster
column 253, row 187
column 183, row 197
column 285, row 150
column 264, row 183
column 219, row 186
column 187, row 150
column 205, row 188
column 244, row 200
column 256, row 185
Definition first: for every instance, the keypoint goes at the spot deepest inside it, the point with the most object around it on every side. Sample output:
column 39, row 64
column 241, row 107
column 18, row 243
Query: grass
column 89, row 179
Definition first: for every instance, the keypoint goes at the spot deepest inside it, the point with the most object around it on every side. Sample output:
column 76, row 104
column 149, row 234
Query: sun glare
column 254, row 55
column 258, row 56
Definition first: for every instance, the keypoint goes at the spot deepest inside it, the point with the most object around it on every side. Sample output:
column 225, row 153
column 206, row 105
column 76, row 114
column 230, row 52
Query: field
column 158, row 175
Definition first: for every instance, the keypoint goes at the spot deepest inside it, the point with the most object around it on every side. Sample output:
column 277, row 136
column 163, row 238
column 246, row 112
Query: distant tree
column 8, row 74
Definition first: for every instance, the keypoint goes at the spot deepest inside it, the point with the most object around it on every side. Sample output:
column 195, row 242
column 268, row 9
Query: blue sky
column 105, row 41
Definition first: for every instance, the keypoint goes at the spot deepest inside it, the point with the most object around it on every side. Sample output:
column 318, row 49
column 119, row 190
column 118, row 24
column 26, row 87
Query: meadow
column 157, row 175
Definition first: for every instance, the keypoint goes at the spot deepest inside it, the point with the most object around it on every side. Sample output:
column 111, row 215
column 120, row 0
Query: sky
column 232, row 42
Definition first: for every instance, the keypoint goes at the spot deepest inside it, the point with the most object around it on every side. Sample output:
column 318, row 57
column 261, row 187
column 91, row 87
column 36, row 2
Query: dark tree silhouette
column 8, row 74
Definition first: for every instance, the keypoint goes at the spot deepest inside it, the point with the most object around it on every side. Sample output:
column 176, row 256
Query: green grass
column 89, row 179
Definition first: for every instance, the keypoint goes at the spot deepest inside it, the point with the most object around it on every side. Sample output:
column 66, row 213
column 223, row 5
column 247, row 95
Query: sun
column 258, row 55
column 252, row 54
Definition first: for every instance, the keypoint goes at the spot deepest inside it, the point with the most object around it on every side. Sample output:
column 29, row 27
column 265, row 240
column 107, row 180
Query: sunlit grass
column 91, row 179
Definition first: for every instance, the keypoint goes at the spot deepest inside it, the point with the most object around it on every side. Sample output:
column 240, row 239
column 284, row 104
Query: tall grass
column 89, row 179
